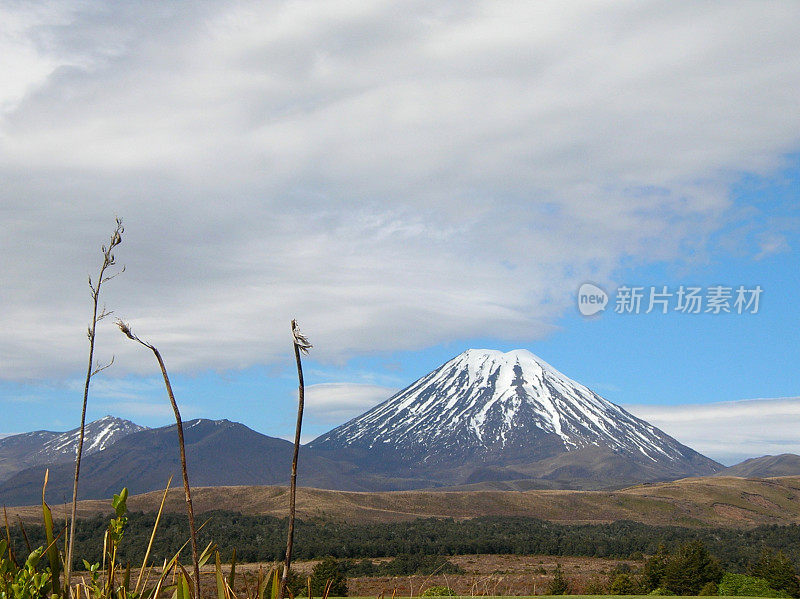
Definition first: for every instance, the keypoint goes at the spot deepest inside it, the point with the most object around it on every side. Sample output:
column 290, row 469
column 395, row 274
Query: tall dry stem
column 91, row 370
column 179, row 424
column 300, row 344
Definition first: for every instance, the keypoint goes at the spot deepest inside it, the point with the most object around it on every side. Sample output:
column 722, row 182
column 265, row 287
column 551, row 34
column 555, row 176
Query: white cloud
column 336, row 403
column 732, row 431
column 394, row 175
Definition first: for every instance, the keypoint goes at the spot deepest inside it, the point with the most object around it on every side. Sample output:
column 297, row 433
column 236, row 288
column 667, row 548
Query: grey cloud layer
column 393, row 174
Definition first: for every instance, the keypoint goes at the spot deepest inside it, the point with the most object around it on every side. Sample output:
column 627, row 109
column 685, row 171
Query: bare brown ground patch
column 732, row 512
column 761, row 501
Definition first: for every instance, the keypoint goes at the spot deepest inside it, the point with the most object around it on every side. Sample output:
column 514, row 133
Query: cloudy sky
column 408, row 179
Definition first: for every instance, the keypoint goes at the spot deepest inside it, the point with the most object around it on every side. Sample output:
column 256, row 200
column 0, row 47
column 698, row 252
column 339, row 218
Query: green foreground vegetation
column 682, row 562
column 661, row 561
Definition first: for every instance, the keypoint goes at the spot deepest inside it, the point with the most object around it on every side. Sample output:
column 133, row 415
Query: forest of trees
column 262, row 538
column 691, row 569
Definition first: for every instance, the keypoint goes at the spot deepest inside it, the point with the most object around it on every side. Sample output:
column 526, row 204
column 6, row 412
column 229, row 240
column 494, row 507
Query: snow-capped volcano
column 486, row 407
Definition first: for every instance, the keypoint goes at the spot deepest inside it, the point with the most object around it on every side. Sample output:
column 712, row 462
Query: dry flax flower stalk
column 109, row 261
column 301, row 345
column 126, row 330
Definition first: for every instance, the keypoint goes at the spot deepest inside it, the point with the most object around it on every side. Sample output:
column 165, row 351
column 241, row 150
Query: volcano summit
column 487, row 415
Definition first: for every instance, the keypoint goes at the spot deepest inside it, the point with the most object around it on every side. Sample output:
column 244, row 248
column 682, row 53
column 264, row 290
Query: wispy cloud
column 732, row 431
column 385, row 377
column 120, row 388
column 772, row 243
column 133, row 409
column 27, row 398
column 133, row 398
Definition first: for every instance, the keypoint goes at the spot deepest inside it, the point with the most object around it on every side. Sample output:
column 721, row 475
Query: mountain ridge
column 25, row 450
column 218, row 452
column 785, row 464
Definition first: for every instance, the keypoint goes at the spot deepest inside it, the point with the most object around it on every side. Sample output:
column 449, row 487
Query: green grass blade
column 11, row 555
column 52, row 548
column 263, row 582
column 275, row 585
column 206, row 554
column 220, row 579
column 184, row 588
column 152, row 538
column 232, row 575
column 126, row 581
column 173, row 563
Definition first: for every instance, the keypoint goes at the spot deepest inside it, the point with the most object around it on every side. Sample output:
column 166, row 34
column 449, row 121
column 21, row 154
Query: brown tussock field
column 485, row 575
column 692, row 502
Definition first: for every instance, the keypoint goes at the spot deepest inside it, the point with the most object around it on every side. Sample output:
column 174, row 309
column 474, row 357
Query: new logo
column 591, row 299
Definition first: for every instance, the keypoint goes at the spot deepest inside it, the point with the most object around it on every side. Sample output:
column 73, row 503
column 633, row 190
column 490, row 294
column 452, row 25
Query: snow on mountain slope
column 97, row 436
column 486, row 404
column 18, row 452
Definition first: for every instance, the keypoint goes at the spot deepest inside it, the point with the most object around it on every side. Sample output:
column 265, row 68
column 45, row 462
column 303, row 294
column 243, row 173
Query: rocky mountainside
column 19, row 452
column 488, row 415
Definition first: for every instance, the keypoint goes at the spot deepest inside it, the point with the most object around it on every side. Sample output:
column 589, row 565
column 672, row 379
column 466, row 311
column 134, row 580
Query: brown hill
column 707, row 501
column 785, row 464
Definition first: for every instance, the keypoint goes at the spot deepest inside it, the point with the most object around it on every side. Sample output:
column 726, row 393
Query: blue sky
column 409, row 181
